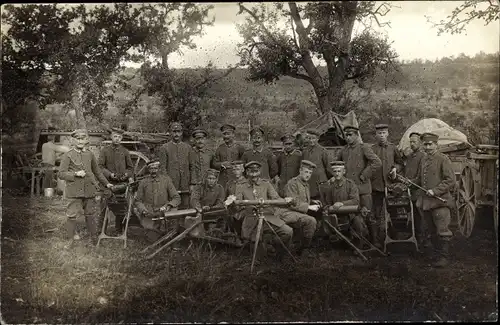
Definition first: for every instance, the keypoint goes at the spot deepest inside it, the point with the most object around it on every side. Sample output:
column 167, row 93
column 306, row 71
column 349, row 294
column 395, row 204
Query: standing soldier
column 155, row 194
column 392, row 162
column 79, row 169
column 227, row 152
column 412, row 166
column 317, row 154
column 177, row 161
column 116, row 165
column 296, row 217
column 263, row 155
column 256, row 188
column 288, row 162
column 360, row 162
column 203, row 156
column 436, row 175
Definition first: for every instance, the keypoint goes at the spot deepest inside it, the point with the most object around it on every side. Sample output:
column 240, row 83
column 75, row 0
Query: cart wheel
column 139, row 160
column 466, row 201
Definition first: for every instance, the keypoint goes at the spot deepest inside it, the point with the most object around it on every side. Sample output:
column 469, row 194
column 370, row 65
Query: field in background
column 44, row 283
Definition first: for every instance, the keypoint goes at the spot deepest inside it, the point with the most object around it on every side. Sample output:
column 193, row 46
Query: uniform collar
column 383, row 145
column 230, row 145
column 258, row 150
column 80, row 151
column 289, row 153
column 339, row 182
column 200, row 150
column 258, row 181
column 301, row 181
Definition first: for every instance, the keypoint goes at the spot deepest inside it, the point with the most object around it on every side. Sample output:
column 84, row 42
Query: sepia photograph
column 249, row 162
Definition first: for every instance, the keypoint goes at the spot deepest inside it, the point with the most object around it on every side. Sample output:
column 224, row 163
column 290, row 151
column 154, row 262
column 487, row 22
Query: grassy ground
column 44, row 283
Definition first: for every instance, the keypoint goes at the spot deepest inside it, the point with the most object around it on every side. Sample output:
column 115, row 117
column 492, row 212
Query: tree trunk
column 77, row 103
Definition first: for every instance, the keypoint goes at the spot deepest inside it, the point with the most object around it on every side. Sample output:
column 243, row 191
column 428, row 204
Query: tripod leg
column 257, row 237
column 346, row 240
column 176, row 239
column 281, row 242
column 366, row 241
column 161, row 240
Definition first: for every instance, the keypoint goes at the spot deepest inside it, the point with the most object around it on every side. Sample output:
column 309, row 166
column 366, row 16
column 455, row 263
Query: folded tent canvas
column 447, row 135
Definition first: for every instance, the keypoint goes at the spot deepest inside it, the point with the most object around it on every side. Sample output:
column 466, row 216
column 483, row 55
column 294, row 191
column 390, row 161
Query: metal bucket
column 48, row 192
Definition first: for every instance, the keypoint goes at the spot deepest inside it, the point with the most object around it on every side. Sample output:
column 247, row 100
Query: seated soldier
column 156, row 194
column 256, row 188
column 340, row 191
column 296, row 217
column 234, row 219
column 208, row 195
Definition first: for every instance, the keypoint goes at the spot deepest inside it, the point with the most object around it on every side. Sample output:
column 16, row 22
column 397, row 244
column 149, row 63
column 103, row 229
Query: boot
column 442, row 260
column 303, row 249
column 374, row 236
column 70, row 228
column 91, row 227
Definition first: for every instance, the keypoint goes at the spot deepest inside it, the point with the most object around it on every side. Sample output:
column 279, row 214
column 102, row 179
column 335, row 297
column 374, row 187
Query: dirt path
column 41, row 282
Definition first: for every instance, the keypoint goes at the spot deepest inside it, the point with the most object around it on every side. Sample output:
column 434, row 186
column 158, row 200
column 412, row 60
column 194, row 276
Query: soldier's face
column 415, row 143
column 305, row 173
column 238, row 171
column 381, row 135
column 350, row 137
column 253, row 171
column 81, row 140
column 288, row 146
column 311, row 139
column 116, row 138
column 199, row 140
column 257, row 139
column 211, row 180
column 51, row 138
column 177, row 134
column 338, row 172
column 227, row 136
column 430, row 147
column 153, row 169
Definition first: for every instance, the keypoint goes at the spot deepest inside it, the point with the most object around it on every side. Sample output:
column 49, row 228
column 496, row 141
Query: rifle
column 406, row 180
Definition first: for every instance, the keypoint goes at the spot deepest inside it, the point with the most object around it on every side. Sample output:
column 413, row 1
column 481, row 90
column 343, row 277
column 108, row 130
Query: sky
column 412, row 36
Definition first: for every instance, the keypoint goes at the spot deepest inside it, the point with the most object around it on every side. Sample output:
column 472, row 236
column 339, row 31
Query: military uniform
column 115, row 159
column 436, row 174
column 203, row 160
column 81, row 191
column 153, row 193
column 261, row 189
column 204, row 195
column 288, row 167
column 319, row 156
column 227, row 153
column 296, row 216
column 266, row 158
column 235, row 219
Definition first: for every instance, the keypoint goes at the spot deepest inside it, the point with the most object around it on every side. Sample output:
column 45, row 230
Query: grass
column 44, row 283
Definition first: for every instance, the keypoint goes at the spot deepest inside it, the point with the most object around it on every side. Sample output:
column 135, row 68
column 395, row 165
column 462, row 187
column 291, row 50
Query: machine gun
column 407, row 181
column 200, row 217
column 258, row 205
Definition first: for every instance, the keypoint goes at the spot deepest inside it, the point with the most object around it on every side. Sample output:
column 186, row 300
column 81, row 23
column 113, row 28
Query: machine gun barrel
column 181, row 214
column 279, row 202
column 406, row 180
column 345, row 209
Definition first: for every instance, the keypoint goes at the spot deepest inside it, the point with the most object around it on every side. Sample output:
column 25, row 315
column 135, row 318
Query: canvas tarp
column 447, row 134
column 331, row 120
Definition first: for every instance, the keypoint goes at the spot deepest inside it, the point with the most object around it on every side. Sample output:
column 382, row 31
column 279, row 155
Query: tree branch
column 300, row 76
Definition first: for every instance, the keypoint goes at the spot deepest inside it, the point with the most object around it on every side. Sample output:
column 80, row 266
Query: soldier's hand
column 430, row 193
column 205, row 208
column 314, row 207
column 393, row 173
column 130, row 180
column 289, row 200
column 230, row 199
column 191, row 188
column 224, row 165
column 109, row 185
column 316, row 202
column 362, row 178
column 80, row 173
column 112, row 176
column 337, row 205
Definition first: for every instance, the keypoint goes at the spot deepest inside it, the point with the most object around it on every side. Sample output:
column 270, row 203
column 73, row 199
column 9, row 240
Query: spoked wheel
column 466, row 201
column 139, row 160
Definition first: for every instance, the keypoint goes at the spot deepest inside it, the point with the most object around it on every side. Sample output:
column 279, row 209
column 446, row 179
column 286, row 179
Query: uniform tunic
column 390, row 157
column 266, row 158
column 155, row 192
column 318, row 155
column 261, row 190
column 81, row 187
column 299, row 190
column 205, row 196
column 288, row 167
column 115, row 159
column 344, row 190
column 225, row 153
column 177, row 161
column 412, row 166
column 202, row 161
column 231, row 186
column 360, row 160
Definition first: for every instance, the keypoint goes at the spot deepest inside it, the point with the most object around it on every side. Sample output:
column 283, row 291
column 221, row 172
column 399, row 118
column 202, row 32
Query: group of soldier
column 305, row 177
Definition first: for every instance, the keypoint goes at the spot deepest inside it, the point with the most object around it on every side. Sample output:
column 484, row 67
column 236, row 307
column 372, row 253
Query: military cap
column 154, row 163
column 429, row 137
column 198, row 131
column 227, row 127
column 117, row 130
column 256, row 129
column 337, row 164
column 253, row 163
column 307, row 163
column 237, row 163
column 287, row 138
column 175, row 126
column 415, row 133
column 213, row 172
column 79, row 131
column 350, row 128
column 314, row 132
column 381, row 126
